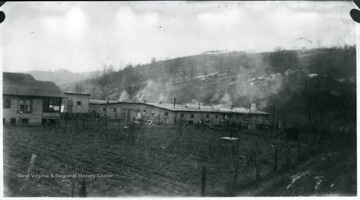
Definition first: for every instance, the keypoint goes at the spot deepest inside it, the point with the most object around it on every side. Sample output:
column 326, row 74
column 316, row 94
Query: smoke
column 153, row 92
column 195, row 101
column 226, row 99
column 216, row 96
column 246, row 86
column 124, row 96
column 254, row 85
column 236, row 87
column 141, row 95
column 161, row 97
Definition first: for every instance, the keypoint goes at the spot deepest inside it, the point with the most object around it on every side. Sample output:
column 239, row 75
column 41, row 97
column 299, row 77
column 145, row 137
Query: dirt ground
column 157, row 164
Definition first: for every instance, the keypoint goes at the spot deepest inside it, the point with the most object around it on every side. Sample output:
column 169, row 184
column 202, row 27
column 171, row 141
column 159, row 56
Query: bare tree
column 191, row 68
column 104, row 80
column 281, row 60
column 173, row 68
column 90, row 87
column 79, row 88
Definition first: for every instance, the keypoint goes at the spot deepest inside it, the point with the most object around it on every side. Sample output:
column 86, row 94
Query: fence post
column 83, row 121
column 203, row 181
column 288, row 157
column 106, row 126
column 119, row 133
column 73, row 187
column 236, row 172
column 299, row 149
column 275, row 159
column 257, row 164
column 66, row 124
column 257, row 169
column 31, row 165
column 179, row 135
column 82, row 191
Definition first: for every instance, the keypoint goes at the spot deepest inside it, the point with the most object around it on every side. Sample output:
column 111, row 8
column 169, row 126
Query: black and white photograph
column 179, row 99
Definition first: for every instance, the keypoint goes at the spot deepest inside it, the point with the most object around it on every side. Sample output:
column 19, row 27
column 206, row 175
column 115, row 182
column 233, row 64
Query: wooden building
column 166, row 113
column 128, row 111
column 29, row 101
column 76, row 103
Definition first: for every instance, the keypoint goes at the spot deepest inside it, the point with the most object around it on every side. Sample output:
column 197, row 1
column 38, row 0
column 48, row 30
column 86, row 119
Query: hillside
column 61, row 77
column 235, row 78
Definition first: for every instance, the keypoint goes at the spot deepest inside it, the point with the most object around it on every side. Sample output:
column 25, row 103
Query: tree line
column 320, row 93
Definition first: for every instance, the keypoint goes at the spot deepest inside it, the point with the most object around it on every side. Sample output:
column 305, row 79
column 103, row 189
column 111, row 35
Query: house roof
column 186, row 107
column 26, row 85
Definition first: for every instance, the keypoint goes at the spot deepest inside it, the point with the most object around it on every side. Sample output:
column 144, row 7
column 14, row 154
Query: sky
column 84, row 36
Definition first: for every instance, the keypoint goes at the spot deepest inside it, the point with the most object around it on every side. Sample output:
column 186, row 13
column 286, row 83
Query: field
column 160, row 161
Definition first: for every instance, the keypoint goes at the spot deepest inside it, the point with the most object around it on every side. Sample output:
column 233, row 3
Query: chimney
column 174, row 102
column 232, row 106
column 145, row 101
column 108, row 100
column 160, row 102
column 199, row 105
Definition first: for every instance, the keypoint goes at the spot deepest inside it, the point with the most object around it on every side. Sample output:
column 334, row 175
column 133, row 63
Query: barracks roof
column 185, row 107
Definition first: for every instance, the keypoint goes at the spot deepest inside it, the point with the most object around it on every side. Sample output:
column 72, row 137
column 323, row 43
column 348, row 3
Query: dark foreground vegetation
column 143, row 160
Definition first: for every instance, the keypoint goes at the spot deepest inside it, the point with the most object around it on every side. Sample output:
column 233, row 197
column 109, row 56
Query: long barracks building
column 166, row 113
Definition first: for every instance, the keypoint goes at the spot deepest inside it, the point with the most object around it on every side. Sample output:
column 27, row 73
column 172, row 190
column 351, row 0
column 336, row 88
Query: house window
column 13, row 121
column 79, row 103
column 25, row 121
column 21, row 105
column 7, row 103
column 152, row 113
column 51, row 104
column 207, row 115
column 25, row 105
column 166, row 114
column 114, row 109
column 192, row 115
column 216, row 116
column 182, row 115
column 104, row 109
